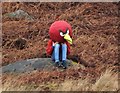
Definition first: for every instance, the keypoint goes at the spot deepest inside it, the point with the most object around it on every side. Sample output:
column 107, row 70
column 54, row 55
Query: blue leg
column 64, row 52
column 64, row 55
column 53, row 54
column 56, row 52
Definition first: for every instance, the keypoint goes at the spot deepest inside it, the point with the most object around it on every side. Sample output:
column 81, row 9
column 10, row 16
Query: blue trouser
column 58, row 55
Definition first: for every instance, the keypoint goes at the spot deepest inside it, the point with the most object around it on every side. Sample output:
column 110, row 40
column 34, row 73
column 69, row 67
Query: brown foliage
column 95, row 34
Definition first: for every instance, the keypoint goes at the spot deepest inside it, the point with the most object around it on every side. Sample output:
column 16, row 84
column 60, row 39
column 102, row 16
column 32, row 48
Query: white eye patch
column 67, row 32
column 61, row 34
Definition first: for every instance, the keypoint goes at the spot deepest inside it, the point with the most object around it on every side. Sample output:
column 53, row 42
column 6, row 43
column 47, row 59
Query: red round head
column 58, row 30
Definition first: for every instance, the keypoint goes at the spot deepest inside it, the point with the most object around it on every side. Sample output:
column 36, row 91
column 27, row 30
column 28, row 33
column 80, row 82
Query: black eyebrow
column 64, row 32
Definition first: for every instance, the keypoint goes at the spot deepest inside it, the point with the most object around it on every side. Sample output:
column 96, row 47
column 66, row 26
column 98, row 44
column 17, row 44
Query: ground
column 95, row 36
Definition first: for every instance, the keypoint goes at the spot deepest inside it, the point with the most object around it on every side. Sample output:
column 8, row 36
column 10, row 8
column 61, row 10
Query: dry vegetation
column 108, row 81
column 95, row 40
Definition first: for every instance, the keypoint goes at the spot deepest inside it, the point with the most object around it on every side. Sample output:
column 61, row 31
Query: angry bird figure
column 59, row 44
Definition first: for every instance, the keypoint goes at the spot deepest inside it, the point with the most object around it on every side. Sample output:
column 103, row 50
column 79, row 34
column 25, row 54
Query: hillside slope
column 95, row 34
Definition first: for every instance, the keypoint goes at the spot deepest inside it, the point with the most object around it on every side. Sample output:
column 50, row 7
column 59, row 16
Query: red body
column 50, row 47
column 54, row 33
column 54, row 30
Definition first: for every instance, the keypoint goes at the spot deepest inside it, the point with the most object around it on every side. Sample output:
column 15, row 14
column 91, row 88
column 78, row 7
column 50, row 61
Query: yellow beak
column 68, row 38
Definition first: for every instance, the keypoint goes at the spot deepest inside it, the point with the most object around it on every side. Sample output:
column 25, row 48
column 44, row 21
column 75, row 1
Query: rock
column 19, row 14
column 31, row 65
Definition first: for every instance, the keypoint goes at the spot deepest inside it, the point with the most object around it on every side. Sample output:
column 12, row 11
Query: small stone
column 14, row 69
